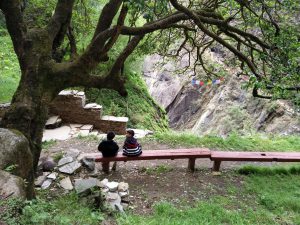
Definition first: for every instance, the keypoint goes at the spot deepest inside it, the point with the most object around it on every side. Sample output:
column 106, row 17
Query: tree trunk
column 29, row 107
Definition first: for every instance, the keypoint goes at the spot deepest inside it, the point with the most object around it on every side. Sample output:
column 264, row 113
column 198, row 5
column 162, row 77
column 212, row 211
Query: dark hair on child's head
column 110, row 135
column 131, row 132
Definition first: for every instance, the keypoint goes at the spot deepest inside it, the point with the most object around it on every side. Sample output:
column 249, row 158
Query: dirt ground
column 159, row 180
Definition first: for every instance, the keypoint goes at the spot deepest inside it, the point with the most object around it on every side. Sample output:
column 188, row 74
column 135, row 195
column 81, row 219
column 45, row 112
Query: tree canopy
column 262, row 35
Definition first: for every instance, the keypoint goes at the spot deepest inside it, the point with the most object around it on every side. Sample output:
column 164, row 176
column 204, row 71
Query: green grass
column 9, row 69
column 63, row 210
column 10, row 210
column 139, row 106
column 261, row 200
column 48, row 144
column 276, row 170
column 232, row 142
column 204, row 213
column 156, row 170
column 279, row 194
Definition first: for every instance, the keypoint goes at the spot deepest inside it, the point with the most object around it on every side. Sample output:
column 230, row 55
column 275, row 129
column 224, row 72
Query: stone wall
column 71, row 107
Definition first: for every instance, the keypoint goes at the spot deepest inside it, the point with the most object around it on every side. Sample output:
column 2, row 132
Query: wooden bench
column 191, row 154
column 219, row 156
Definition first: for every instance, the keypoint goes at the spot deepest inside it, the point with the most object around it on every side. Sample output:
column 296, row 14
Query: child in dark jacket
column 108, row 148
column 131, row 146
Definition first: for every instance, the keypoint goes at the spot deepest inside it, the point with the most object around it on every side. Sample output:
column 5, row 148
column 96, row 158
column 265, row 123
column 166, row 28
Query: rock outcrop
column 15, row 153
column 219, row 109
column 11, row 185
column 16, row 159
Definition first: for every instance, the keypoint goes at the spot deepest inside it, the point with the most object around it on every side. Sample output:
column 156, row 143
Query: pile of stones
column 65, row 175
column 115, row 194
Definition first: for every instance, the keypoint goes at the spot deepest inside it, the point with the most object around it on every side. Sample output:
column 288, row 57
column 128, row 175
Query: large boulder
column 11, row 185
column 15, row 153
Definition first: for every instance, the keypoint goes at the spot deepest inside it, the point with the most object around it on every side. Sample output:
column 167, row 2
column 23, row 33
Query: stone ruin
column 70, row 107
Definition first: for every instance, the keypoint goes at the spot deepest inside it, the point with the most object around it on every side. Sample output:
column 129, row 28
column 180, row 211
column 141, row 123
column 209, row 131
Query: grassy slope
column 9, row 69
column 233, row 142
column 264, row 200
column 63, row 210
column 139, row 106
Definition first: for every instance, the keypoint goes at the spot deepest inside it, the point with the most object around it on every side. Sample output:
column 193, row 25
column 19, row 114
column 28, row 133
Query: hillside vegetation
column 9, row 68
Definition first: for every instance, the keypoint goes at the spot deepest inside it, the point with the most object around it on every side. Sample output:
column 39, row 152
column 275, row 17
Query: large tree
column 245, row 28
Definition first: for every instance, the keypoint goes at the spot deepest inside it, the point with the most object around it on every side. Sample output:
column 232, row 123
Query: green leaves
column 148, row 10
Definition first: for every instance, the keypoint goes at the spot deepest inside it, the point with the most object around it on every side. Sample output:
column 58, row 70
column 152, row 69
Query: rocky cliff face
column 219, row 109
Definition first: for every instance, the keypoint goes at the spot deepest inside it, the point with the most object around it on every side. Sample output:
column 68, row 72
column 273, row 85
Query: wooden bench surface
column 256, row 156
column 156, row 154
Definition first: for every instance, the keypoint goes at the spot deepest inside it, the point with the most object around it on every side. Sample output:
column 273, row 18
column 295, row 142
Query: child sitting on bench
column 109, row 148
column 131, row 146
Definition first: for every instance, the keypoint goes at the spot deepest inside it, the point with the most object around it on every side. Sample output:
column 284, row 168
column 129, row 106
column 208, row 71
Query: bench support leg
column 114, row 167
column 191, row 165
column 105, row 167
column 216, row 166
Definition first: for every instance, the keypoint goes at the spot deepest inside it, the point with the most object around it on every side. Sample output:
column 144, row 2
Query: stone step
column 112, row 123
column 53, row 122
column 70, row 105
column 93, row 106
column 115, row 119
column 88, row 127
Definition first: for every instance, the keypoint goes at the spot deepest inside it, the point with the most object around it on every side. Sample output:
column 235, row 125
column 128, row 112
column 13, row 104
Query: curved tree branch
column 197, row 20
column 107, row 15
column 60, row 20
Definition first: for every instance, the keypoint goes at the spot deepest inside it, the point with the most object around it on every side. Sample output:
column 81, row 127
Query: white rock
column 40, row 180
column 81, row 93
column 123, row 194
column 103, row 183
column 114, row 118
column 52, row 120
column 123, row 187
column 65, row 160
column 52, row 176
column 70, row 168
column 46, row 184
column 94, row 133
column 112, row 196
column 83, row 133
column 72, row 152
column 105, row 190
column 82, row 185
column 61, row 133
column 112, row 186
column 114, row 201
column 92, row 106
column 66, row 92
column 66, row 183
column 87, row 127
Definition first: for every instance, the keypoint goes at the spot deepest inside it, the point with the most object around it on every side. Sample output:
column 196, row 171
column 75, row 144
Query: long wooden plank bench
column 191, row 154
column 218, row 156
